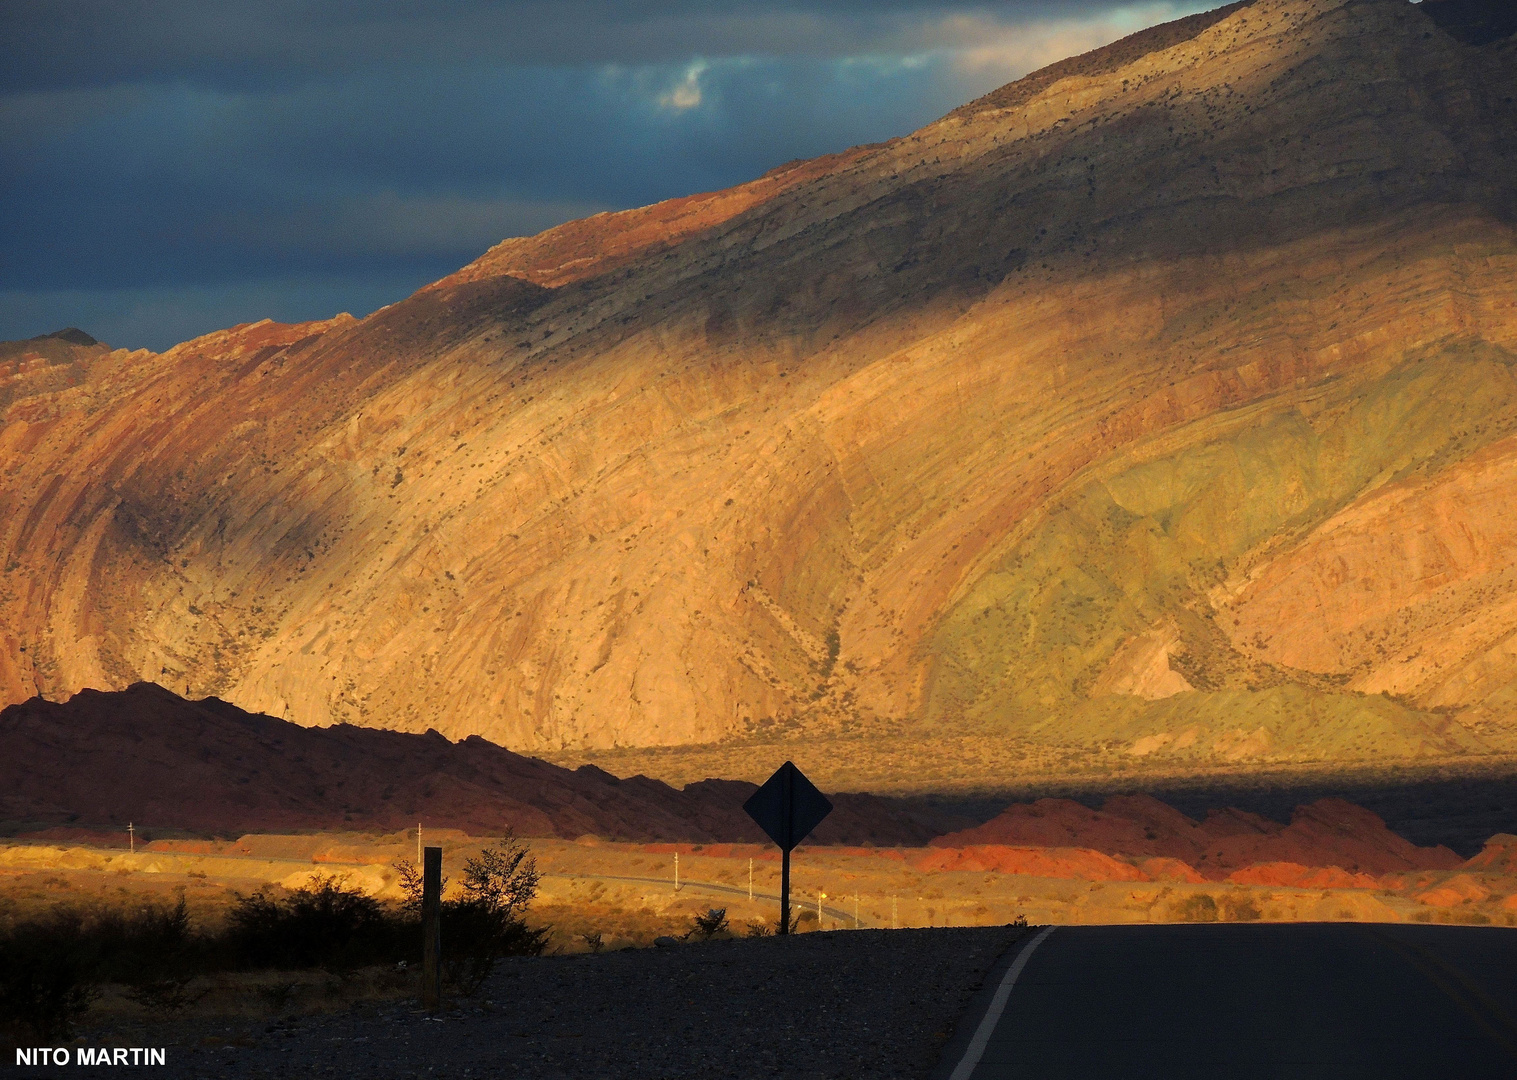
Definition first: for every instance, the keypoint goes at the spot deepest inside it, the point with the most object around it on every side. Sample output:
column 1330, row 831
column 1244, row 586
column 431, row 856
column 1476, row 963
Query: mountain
column 147, row 756
column 1157, row 410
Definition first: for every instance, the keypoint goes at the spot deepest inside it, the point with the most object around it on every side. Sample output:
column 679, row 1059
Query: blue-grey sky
column 170, row 168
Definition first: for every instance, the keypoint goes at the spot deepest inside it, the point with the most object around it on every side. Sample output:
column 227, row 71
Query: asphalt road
column 1338, row 1000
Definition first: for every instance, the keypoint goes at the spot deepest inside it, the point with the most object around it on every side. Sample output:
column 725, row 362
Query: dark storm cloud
column 288, row 160
column 60, row 43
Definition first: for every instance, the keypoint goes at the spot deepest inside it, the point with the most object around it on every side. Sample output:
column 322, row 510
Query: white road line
column 987, row 1026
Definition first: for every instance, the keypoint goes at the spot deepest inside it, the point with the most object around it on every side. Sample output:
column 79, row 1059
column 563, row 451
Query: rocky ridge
column 148, row 756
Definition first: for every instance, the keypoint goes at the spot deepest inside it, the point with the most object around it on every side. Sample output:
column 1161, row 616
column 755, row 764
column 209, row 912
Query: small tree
column 713, row 922
column 486, row 922
column 503, row 878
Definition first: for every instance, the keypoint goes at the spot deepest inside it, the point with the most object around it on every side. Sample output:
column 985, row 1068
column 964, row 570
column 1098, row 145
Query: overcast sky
column 172, row 168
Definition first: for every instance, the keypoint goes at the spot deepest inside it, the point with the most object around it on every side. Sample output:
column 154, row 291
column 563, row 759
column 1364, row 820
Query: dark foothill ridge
column 71, row 334
column 147, row 755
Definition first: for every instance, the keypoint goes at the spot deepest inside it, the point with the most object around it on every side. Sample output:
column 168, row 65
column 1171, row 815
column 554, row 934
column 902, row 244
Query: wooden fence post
column 431, row 929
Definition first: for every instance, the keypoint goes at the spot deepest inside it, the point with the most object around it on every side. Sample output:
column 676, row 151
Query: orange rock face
column 1498, row 856
column 1305, row 877
column 1170, row 870
column 1457, row 890
column 1162, row 401
column 1055, row 862
column 1329, row 833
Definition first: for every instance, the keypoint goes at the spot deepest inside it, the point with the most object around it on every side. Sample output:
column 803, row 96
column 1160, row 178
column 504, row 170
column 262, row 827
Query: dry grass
column 623, row 896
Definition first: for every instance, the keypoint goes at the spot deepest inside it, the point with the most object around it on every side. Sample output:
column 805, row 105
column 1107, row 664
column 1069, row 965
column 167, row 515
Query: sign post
column 787, row 808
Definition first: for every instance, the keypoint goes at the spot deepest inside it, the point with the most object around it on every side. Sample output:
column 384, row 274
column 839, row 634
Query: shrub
column 146, row 945
column 485, row 923
column 1199, row 907
column 325, row 924
column 1238, row 907
column 47, row 978
column 713, row 922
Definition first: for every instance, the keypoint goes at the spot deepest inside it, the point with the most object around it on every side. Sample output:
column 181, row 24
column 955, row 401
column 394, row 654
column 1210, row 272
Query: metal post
column 785, row 892
column 785, row 861
column 431, row 929
column 131, row 837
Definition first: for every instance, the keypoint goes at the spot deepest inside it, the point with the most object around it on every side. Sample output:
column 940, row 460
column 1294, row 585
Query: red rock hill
column 1328, row 832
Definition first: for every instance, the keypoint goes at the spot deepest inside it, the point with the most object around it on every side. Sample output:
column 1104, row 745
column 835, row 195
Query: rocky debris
column 862, row 1004
column 148, row 756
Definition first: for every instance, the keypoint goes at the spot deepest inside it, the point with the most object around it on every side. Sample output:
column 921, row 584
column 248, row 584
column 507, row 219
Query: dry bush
column 1198, row 907
column 710, row 923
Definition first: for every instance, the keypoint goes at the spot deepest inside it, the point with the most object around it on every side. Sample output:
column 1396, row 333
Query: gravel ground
column 854, row 1005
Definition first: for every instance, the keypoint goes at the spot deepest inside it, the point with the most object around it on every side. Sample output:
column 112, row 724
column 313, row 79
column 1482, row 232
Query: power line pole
column 676, row 871
column 750, row 881
column 131, row 837
column 418, row 843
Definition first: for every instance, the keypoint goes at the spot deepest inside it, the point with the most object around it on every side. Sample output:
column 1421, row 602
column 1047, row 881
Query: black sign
column 788, row 806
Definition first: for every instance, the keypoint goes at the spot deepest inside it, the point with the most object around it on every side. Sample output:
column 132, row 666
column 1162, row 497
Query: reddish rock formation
column 148, row 756
column 1326, row 833
column 1079, row 863
column 1302, row 877
column 1499, row 856
column 1170, row 870
column 1459, row 889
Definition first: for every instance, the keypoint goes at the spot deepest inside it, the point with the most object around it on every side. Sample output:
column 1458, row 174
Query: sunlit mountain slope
column 1158, row 407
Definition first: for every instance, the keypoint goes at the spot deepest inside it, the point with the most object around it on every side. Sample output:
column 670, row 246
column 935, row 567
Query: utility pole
column 676, row 871
column 855, row 911
column 750, row 881
column 131, row 837
column 892, row 913
column 418, row 843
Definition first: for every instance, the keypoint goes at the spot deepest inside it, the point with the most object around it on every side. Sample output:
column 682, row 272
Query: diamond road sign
column 788, row 806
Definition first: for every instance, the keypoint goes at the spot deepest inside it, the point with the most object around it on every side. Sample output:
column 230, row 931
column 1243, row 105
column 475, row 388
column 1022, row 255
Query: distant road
column 797, row 900
column 1338, row 1001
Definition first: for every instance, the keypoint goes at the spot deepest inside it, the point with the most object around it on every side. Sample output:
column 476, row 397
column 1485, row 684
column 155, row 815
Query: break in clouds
column 173, row 168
